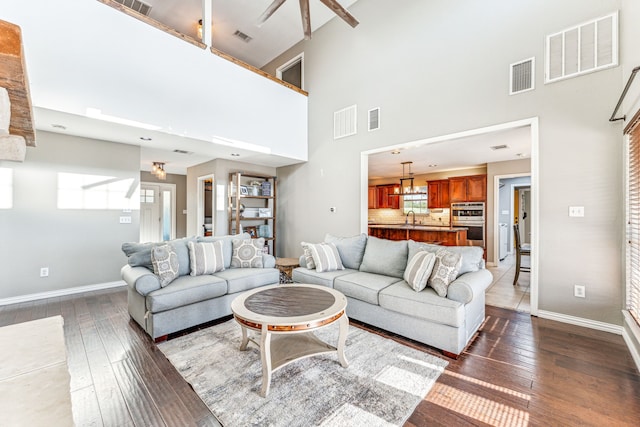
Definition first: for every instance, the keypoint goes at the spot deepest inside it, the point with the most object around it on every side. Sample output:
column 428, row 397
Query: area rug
column 382, row 386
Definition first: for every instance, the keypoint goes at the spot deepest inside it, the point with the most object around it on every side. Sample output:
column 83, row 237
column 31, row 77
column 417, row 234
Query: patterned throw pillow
column 445, row 271
column 307, row 256
column 247, row 253
column 419, row 269
column 205, row 257
column 165, row 263
column 326, row 257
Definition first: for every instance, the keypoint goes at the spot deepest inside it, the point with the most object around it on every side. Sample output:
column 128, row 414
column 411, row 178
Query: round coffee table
column 286, row 316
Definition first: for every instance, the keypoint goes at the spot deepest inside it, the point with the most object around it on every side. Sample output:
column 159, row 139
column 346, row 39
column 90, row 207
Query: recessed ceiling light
column 521, row 155
column 395, row 152
column 499, row 147
column 57, row 126
column 182, row 151
column 433, row 165
column 145, row 138
column 235, row 154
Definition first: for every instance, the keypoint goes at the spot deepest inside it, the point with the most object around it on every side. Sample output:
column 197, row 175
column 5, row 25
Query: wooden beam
column 13, row 77
column 341, row 12
column 306, row 18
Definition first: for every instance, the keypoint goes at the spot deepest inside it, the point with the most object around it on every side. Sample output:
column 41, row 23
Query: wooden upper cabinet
column 386, row 199
column 438, row 193
column 373, row 198
column 468, row 188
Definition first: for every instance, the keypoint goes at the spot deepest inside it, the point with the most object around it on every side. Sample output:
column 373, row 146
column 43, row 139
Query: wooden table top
column 287, row 262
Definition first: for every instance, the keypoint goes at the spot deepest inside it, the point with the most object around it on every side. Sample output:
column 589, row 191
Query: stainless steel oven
column 472, row 216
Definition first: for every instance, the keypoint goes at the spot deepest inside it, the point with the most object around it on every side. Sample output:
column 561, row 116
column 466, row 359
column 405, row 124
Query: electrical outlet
column 332, row 209
column 44, row 272
column 579, row 291
column 576, row 211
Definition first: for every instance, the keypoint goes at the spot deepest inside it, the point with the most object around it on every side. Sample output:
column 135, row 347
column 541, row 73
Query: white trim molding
column 632, row 340
column 580, row 321
column 61, row 292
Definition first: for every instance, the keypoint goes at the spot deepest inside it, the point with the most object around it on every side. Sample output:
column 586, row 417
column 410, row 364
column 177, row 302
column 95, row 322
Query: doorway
column 157, row 212
column 205, row 206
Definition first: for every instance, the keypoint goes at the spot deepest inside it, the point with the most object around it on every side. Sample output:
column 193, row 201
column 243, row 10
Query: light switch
column 125, row 220
column 576, row 211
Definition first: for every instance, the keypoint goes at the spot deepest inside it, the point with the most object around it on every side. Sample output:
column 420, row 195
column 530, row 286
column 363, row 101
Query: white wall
column 441, row 67
column 80, row 247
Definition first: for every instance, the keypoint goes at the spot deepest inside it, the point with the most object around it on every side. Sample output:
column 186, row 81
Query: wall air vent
column 182, row 151
column 499, row 147
column 522, row 76
column 345, row 122
column 136, row 5
column 242, row 36
column 374, row 119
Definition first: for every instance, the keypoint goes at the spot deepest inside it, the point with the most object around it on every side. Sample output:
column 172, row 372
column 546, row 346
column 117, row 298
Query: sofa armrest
column 141, row 279
column 268, row 261
column 467, row 286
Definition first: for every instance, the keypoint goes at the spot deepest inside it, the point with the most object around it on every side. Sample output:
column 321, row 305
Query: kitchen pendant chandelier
column 406, row 182
column 158, row 170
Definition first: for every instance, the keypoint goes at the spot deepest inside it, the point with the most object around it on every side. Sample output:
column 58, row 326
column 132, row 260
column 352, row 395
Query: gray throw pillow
column 325, row 257
column 206, row 257
column 386, row 257
column 227, row 245
column 247, row 253
column 165, row 263
column 472, row 256
column 419, row 270
column 444, row 271
column 351, row 249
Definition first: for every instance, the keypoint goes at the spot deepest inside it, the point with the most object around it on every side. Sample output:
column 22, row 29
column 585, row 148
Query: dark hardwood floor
column 519, row 371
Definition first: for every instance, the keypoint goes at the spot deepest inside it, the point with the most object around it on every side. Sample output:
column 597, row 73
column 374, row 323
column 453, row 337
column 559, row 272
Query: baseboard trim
column 631, row 339
column 580, row 321
column 60, row 292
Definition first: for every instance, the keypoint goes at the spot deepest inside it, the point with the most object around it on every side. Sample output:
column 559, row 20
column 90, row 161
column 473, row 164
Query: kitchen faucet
column 406, row 221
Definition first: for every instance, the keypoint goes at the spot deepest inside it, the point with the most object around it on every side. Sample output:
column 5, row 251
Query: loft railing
column 613, row 117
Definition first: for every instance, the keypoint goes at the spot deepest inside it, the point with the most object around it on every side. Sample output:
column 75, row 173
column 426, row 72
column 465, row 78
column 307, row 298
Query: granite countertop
column 445, row 229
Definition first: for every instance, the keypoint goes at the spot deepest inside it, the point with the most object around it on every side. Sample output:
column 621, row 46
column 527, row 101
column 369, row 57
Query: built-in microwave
column 470, row 215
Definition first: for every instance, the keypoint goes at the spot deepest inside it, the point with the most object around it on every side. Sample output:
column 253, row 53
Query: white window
column 293, row 71
column 6, row 188
column 81, row 191
column 416, row 203
column 582, row 49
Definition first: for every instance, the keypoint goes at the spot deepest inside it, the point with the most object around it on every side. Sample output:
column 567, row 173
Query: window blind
column 633, row 219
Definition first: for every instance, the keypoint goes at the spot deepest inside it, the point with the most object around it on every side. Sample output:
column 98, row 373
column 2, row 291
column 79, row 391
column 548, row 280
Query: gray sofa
column 378, row 295
column 188, row 300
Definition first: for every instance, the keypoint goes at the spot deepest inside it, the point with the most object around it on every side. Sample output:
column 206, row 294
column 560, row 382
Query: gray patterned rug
column 382, row 386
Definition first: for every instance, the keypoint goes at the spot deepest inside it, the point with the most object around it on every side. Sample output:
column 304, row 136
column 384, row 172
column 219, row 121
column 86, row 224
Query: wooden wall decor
column 13, row 77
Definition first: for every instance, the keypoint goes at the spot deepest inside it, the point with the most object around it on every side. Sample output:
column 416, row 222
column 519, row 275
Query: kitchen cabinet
column 438, row 193
column 468, row 188
column 386, row 198
column 444, row 236
column 373, row 197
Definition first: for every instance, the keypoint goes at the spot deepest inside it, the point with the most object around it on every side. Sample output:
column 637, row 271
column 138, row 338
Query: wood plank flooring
column 519, row 371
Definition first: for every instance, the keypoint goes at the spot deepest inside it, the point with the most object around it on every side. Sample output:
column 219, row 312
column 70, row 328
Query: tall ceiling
column 281, row 31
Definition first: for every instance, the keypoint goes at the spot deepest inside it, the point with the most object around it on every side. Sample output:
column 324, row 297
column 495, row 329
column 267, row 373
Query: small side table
column 286, row 266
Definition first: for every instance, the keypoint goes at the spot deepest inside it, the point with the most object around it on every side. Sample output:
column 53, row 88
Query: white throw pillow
column 308, row 257
column 445, row 271
column 205, row 257
column 326, row 257
column 419, row 270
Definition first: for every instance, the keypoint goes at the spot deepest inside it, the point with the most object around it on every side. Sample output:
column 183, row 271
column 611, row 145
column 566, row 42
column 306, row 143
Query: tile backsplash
column 395, row 216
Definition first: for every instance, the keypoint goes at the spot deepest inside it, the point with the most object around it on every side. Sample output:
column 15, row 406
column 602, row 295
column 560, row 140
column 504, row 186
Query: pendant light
column 406, row 182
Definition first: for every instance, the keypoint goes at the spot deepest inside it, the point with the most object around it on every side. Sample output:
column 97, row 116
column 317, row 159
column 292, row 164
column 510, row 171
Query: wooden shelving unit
column 259, row 198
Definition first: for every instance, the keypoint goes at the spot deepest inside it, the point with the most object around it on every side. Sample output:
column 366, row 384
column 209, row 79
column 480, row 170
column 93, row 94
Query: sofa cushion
column 312, row 277
column 471, row 255
column 351, row 249
column 227, row 245
column 247, row 253
column 325, row 257
column 206, row 257
column 165, row 264
column 308, row 256
column 139, row 254
column 363, row 286
column 385, row 257
column 186, row 290
column 444, row 271
column 426, row 305
column 243, row 279
column 419, row 270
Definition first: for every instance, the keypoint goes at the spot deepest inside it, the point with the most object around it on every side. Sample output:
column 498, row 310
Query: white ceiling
column 451, row 154
column 281, row 31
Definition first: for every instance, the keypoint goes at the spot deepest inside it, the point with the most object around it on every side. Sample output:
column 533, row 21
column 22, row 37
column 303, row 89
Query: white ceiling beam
column 207, row 21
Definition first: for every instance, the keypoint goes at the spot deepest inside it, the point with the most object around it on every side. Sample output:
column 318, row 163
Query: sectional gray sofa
column 378, row 295
column 188, row 300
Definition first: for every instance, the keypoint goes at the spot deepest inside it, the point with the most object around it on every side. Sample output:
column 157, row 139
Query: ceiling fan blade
column 341, row 12
column 306, row 18
column 270, row 11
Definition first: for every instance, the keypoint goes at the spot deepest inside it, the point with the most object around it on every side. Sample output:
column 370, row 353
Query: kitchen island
column 446, row 236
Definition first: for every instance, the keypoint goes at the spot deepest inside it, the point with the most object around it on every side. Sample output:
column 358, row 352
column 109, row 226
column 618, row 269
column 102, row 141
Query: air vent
column 242, row 36
column 344, row 122
column 522, row 76
column 182, row 151
column 499, row 147
column 374, row 119
column 136, row 5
